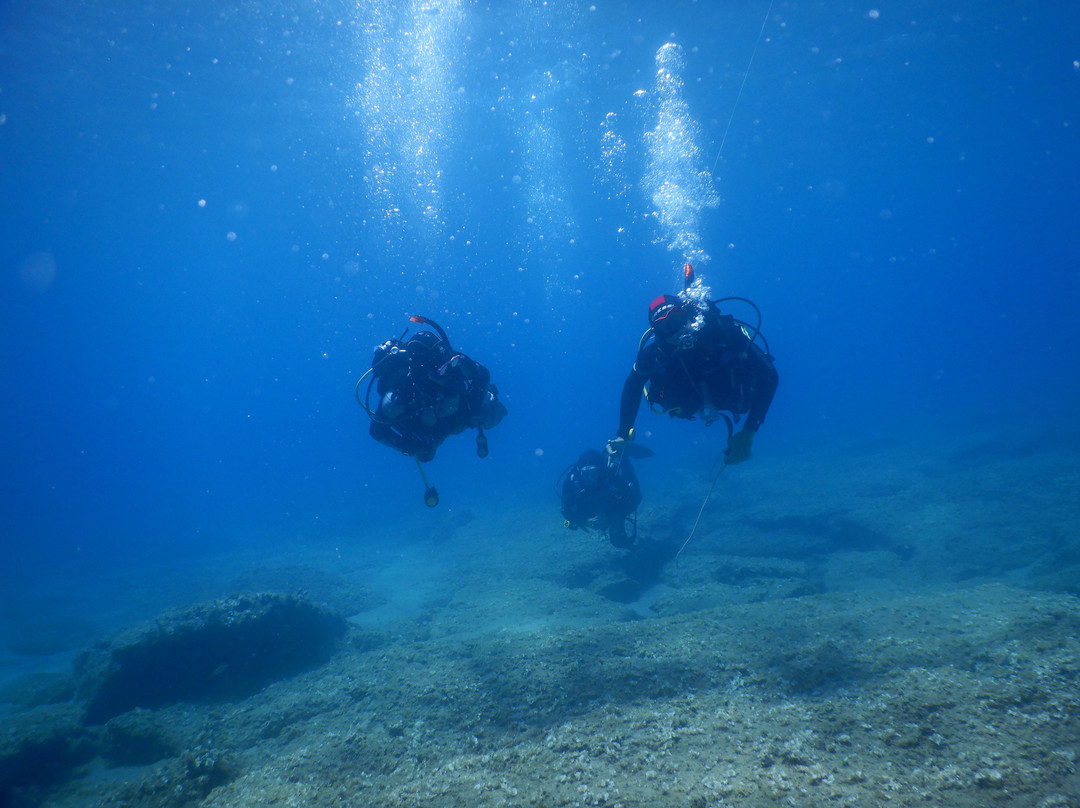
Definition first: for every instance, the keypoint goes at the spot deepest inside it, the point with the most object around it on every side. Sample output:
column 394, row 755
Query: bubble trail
column 678, row 186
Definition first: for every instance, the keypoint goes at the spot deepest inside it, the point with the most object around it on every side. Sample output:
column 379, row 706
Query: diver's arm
column 630, row 402
column 570, row 504
column 764, row 380
column 478, row 376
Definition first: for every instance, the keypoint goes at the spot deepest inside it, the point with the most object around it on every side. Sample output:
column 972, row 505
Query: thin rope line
column 746, row 75
column 697, row 521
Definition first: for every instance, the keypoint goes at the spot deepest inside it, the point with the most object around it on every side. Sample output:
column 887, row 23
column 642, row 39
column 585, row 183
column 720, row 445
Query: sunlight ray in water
column 407, row 105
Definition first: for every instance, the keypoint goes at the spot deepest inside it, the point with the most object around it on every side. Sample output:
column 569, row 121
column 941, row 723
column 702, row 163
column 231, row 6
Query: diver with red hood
column 695, row 361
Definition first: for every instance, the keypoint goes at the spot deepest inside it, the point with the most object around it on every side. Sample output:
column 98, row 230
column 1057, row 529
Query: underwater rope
column 714, row 475
column 693, row 530
column 742, row 86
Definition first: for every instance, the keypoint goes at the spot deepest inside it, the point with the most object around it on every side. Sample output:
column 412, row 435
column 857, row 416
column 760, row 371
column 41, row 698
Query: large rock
column 220, row 650
column 37, row 749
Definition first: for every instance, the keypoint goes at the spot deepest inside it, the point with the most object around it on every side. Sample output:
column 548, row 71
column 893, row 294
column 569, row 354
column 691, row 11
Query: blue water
column 212, row 213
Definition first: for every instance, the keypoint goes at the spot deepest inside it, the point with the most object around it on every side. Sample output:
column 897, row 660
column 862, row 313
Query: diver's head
column 589, row 465
column 591, row 457
column 391, row 405
column 667, row 316
column 427, row 352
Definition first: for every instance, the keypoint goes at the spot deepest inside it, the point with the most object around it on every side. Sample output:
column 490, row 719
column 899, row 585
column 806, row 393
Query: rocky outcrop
column 38, row 748
column 221, row 650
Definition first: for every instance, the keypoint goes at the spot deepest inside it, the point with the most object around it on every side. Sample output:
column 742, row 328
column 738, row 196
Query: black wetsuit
column 599, row 493
column 718, row 367
column 427, row 408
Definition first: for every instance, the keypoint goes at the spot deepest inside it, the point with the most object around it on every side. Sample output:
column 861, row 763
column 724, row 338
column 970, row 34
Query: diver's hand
column 738, row 450
column 615, row 446
column 425, row 454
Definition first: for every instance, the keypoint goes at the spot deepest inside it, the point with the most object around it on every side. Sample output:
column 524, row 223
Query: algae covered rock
column 137, row 738
column 220, row 650
column 38, row 748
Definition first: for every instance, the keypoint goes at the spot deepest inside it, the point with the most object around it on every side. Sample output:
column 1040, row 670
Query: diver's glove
column 738, row 450
column 615, row 447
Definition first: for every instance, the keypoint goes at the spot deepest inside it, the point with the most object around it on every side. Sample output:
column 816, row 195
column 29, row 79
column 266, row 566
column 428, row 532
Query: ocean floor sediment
column 897, row 632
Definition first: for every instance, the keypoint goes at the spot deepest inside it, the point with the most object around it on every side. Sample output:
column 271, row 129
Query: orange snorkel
column 416, row 318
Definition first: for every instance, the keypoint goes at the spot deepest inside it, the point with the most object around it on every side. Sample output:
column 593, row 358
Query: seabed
column 868, row 626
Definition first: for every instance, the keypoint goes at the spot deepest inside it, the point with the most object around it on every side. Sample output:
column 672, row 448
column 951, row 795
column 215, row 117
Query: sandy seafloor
column 890, row 623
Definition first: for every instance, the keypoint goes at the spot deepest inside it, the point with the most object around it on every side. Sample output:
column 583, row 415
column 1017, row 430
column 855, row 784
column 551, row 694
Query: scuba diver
column 694, row 361
column 601, row 493
column 428, row 391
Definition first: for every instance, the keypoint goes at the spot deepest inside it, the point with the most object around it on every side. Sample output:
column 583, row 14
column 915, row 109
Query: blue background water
column 211, row 214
